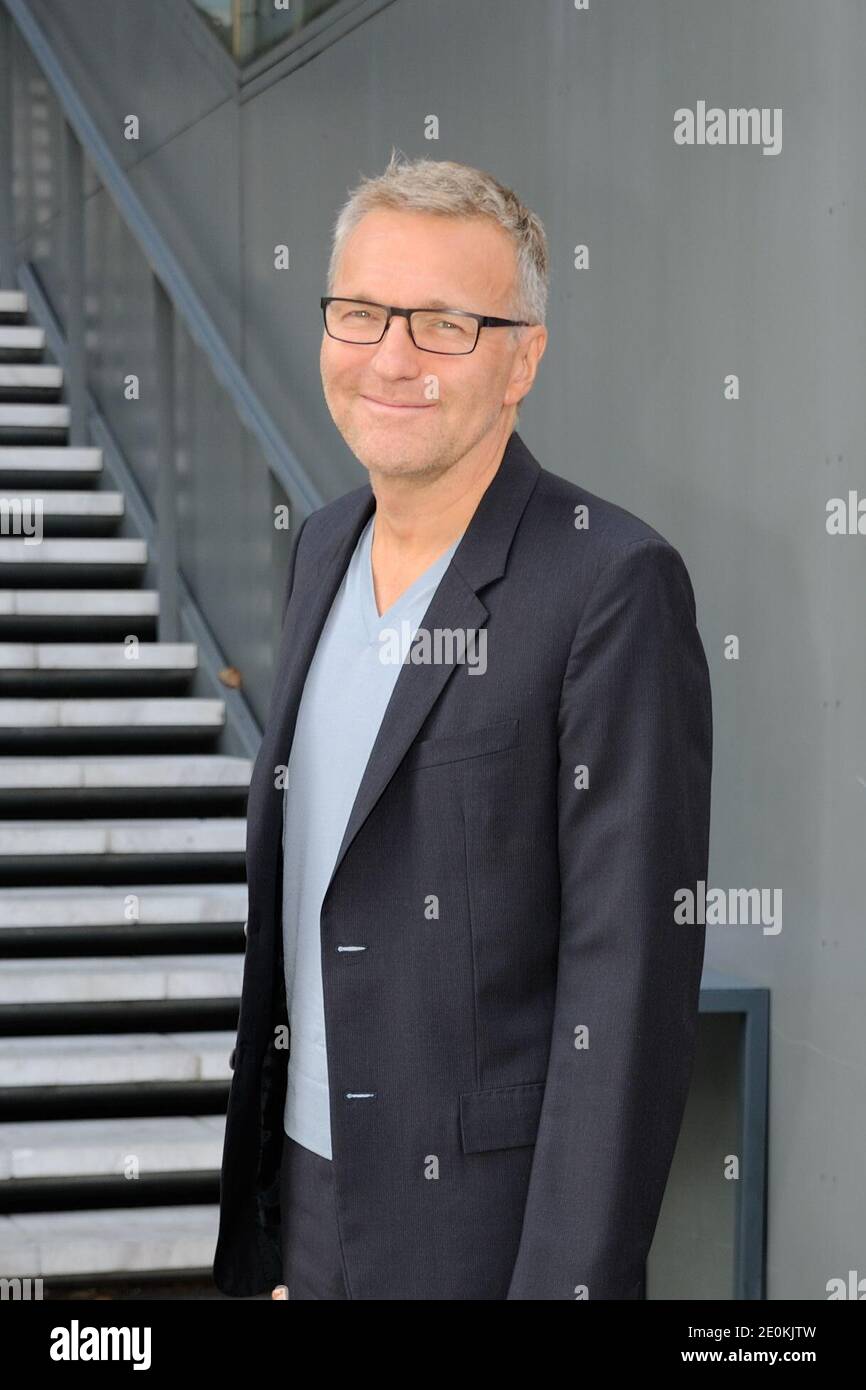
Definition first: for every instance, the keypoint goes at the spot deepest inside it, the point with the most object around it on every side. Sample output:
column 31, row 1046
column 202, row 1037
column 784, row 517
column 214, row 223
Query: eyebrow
column 430, row 304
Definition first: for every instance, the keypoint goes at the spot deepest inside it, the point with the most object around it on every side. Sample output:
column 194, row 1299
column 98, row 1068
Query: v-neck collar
column 374, row 621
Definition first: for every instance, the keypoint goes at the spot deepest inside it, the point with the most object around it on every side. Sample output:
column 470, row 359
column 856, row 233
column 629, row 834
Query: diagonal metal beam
column 281, row 459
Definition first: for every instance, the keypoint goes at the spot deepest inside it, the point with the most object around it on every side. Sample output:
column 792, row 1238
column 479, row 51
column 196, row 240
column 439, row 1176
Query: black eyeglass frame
column 482, row 320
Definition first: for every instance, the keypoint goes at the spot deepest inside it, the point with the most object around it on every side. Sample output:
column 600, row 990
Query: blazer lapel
column 310, row 605
column 479, row 558
column 454, row 605
column 311, row 600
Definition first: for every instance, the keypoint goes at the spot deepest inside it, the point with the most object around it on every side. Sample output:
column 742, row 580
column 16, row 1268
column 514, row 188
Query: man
column 468, row 1015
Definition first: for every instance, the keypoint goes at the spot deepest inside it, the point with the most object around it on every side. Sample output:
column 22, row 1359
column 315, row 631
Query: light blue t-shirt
column 345, row 696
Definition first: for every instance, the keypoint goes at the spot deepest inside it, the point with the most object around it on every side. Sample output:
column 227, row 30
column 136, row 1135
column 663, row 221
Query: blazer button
column 233, row 1058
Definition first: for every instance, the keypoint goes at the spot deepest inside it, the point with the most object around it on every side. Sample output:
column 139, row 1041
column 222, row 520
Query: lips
column 397, row 405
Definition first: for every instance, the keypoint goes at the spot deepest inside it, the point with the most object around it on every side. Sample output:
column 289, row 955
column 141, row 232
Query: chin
column 391, row 461
column 382, row 451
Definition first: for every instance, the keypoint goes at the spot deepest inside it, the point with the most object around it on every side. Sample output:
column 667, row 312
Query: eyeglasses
column 450, row 331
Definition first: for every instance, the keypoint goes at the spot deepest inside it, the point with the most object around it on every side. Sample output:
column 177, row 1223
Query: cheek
column 336, row 369
column 480, row 385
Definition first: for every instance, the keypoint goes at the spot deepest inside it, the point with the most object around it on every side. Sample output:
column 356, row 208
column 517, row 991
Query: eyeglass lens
column 355, row 322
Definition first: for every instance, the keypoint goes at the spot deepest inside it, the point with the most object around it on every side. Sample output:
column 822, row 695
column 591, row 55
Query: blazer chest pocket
column 469, row 744
column 502, row 1118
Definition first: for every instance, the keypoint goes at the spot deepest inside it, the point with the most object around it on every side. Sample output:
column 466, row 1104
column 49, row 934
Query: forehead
column 411, row 258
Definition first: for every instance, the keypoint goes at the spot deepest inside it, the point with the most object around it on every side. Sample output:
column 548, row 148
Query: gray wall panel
column 122, row 345
column 148, row 59
column 191, row 188
column 225, row 544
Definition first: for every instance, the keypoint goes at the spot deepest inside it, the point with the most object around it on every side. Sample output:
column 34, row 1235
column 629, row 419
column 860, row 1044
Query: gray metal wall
column 704, row 261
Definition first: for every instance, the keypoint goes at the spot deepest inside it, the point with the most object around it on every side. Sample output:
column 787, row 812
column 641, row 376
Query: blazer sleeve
column 635, row 710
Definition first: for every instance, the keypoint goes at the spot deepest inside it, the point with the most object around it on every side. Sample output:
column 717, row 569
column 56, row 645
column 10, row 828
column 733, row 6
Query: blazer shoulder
column 585, row 535
column 607, row 526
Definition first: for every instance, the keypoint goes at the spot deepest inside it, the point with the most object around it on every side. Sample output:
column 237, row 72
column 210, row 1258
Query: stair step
column 119, row 773
column 103, row 1148
column 79, row 603
column 51, row 512
column 115, row 979
column 108, row 1241
column 179, row 904
column 110, row 716
column 30, row 376
column 110, row 839
column 176, row 784
column 115, row 1059
column 76, row 462
column 92, row 551
column 33, row 417
column 79, row 669
column 72, row 657
column 13, row 302
column 78, row 506
column 24, row 337
column 75, row 613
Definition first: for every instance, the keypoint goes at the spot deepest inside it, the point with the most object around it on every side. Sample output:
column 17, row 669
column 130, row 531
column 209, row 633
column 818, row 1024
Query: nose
column 396, row 353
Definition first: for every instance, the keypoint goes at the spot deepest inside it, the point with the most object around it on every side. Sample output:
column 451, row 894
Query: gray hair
column 455, row 190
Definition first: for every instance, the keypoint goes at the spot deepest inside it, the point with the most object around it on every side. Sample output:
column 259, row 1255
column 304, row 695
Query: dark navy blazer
column 510, row 1053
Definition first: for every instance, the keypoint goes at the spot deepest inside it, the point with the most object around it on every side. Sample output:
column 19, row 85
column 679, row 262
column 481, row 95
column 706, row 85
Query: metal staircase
column 122, row 893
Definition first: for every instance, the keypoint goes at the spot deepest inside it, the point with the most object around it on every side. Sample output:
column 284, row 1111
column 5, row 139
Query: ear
column 529, row 353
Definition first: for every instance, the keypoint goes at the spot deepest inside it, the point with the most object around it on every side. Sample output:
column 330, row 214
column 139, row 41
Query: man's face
column 413, row 260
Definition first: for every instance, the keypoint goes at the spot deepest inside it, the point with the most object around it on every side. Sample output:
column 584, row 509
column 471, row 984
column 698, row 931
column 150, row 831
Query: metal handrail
column 281, row 459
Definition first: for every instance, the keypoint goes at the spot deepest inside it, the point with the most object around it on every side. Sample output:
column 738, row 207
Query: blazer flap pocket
column 469, row 744
column 502, row 1118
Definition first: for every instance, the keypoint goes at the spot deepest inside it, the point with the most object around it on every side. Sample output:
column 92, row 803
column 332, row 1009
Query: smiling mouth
column 395, row 406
